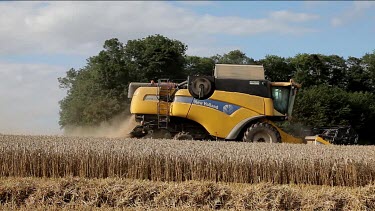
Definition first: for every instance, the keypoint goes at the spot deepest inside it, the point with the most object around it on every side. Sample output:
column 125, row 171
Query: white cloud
column 363, row 5
column 356, row 11
column 211, row 50
column 336, row 21
column 81, row 27
column 314, row 4
column 287, row 16
column 197, row 3
column 29, row 98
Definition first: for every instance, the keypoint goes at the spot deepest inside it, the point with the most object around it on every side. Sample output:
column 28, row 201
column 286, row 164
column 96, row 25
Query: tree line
column 335, row 90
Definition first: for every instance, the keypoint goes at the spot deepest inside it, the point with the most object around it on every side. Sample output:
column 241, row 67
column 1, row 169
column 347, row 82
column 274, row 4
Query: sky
column 40, row 41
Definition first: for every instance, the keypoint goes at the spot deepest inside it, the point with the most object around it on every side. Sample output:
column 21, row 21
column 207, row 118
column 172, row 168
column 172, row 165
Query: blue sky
column 42, row 40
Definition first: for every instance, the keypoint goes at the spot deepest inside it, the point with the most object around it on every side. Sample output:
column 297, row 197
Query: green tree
column 233, row 57
column 310, row 69
column 322, row 106
column 195, row 65
column 325, row 106
column 368, row 63
column 277, row 68
column 155, row 57
column 358, row 79
column 336, row 70
column 96, row 92
column 362, row 115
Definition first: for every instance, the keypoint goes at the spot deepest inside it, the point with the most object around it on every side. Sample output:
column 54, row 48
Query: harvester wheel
column 183, row 136
column 138, row 132
column 262, row 132
column 159, row 134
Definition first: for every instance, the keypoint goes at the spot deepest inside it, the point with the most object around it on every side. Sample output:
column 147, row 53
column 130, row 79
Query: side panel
column 144, row 101
column 220, row 113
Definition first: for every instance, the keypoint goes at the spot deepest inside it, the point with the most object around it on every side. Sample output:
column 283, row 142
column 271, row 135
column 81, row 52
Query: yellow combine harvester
column 237, row 103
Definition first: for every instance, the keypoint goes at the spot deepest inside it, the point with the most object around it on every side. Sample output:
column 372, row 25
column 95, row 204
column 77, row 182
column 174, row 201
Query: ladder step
column 164, row 104
column 164, row 108
column 163, row 95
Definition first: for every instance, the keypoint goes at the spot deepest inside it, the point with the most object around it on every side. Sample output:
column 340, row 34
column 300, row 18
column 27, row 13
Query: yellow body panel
column 214, row 120
column 141, row 104
column 252, row 102
column 144, row 101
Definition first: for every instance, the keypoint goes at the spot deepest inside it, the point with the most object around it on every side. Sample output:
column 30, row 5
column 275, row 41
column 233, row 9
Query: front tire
column 262, row 132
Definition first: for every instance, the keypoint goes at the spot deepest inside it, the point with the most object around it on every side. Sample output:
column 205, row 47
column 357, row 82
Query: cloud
column 355, row 11
column 314, row 4
column 197, row 3
column 336, row 21
column 80, row 28
column 363, row 5
column 287, row 16
column 211, row 50
column 29, row 98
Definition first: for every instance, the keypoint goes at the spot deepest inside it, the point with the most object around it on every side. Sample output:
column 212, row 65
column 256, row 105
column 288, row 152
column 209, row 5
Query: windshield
column 280, row 96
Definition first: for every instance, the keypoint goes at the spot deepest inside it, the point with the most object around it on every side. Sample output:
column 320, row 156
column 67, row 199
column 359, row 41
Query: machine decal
column 224, row 107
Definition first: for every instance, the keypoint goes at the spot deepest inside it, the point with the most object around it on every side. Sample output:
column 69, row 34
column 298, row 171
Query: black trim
column 261, row 88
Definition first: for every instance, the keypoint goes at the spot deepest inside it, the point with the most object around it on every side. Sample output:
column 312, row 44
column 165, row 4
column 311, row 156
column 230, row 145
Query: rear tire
column 159, row 134
column 262, row 132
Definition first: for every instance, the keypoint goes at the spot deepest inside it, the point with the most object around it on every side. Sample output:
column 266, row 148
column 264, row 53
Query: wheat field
column 174, row 160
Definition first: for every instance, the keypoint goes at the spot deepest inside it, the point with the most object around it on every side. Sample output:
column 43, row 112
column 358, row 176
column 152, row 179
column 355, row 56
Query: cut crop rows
column 115, row 193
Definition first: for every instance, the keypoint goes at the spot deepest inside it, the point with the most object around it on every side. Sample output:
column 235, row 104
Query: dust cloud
column 118, row 127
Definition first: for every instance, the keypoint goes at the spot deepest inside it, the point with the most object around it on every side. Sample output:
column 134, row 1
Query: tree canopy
column 335, row 90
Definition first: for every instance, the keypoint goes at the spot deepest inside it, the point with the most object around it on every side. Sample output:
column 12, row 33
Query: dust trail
column 119, row 126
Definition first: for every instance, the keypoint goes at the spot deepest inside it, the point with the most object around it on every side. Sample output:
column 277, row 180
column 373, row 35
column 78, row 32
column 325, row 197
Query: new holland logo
column 228, row 109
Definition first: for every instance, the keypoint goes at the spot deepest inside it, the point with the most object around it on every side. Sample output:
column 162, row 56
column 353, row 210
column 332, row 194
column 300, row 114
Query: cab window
column 280, row 96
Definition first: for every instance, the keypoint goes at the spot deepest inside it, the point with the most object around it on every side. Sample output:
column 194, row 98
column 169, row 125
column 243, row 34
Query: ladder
column 163, row 96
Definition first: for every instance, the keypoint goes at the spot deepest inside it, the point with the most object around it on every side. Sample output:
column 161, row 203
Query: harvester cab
column 236, row 103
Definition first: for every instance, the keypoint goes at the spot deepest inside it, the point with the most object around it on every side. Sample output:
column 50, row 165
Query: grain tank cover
column 242, row 72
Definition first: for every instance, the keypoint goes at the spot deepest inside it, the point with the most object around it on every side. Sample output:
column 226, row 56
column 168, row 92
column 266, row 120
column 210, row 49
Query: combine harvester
column 237, row 103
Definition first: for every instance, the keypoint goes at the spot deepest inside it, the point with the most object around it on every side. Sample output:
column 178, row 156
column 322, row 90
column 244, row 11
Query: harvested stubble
column 172, row 160
column 88, row 194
